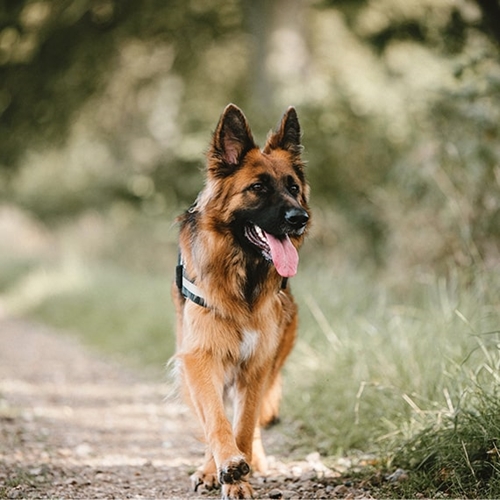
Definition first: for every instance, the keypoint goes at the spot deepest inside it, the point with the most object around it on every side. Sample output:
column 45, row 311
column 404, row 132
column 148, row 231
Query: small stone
column 83, row 450
column 340, row 490
column 313, row 457
column 308, row 476
column 398, row 476
column 320, row 492
column 275, row 493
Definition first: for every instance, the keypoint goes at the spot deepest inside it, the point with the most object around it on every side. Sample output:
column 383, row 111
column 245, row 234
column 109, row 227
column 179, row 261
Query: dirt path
column 74, row 425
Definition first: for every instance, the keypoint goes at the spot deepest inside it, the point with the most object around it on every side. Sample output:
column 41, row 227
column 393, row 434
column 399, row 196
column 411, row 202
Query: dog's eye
column 258, row 187
column 294, row 189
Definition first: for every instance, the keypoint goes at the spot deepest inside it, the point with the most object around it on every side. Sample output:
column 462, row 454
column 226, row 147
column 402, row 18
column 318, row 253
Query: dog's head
column 260, row 195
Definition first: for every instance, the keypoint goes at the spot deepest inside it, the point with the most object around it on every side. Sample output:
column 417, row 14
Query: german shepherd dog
column 236, row 318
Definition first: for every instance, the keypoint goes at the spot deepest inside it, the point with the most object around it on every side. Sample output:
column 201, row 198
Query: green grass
column 460, row 454
column 409, row 373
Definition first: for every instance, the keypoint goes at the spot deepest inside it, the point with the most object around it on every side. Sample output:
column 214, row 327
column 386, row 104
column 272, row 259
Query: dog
column 236, row 318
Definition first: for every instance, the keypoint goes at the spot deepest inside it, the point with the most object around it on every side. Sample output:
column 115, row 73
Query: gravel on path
column 74, row 424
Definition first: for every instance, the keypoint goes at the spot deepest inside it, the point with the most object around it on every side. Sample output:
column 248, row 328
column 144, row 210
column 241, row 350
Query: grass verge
column 412, row 375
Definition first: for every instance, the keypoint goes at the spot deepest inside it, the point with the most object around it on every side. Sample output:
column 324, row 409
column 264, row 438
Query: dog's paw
column 233, row 470
column 240, row 489
column 207, row 480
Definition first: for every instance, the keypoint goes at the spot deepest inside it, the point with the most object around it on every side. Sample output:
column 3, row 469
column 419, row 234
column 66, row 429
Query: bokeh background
column 106, row 111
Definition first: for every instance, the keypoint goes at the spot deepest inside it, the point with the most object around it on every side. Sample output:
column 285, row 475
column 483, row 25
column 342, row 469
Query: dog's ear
column 287, row 135
column 232, row 140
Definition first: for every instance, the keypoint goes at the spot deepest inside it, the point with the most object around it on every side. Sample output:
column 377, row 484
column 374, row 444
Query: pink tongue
column 285, row 256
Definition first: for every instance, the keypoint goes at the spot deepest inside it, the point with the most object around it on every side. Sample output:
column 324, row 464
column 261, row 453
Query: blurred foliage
column 108, row 104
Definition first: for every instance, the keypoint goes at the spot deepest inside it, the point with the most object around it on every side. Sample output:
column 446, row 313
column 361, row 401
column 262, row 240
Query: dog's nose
column 296, row 217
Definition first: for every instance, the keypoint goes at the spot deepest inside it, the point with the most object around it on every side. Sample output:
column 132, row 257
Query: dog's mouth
column 278, row 250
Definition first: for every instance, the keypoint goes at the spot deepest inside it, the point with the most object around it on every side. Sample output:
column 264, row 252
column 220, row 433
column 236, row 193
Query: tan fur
column 243, row 336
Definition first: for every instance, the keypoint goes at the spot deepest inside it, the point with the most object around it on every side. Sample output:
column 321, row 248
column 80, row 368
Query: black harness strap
column 190, row 291
column 187, row 287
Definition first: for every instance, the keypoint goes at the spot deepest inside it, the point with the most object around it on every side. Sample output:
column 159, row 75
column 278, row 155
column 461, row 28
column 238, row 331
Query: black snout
column 296, row 217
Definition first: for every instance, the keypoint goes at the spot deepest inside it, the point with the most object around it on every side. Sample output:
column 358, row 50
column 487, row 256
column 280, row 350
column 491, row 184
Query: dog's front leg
column 204, row 377
column 246, row 406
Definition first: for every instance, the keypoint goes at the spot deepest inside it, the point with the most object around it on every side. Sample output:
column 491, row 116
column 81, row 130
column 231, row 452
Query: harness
column 187, row 288
column 190, row 291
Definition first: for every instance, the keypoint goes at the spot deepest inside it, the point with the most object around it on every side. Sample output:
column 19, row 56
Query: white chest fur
column 249, row 342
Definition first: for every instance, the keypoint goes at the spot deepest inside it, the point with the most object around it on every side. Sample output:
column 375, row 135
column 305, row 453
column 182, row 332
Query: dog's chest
column 248, row 345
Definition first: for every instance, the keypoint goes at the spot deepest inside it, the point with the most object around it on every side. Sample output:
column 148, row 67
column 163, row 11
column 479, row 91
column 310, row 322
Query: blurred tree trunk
column 258, row 22
column 278, row 50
